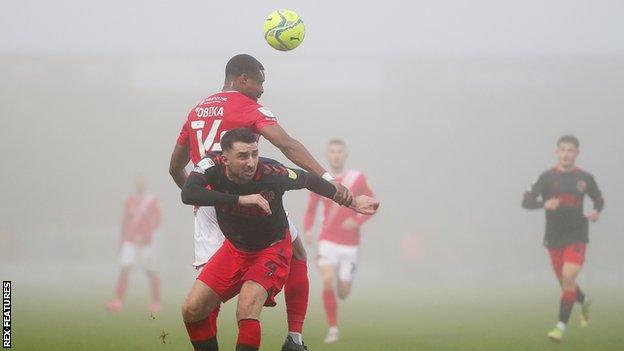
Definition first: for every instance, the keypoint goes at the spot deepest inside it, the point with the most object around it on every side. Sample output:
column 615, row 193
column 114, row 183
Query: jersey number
column 208, row 144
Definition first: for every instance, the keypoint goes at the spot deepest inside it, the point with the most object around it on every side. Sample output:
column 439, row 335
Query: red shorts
column 229, row 268
column 573, row 253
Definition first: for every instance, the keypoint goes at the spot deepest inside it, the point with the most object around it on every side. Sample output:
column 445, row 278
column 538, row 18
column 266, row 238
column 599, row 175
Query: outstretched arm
column 194, row 192
column 299, row 155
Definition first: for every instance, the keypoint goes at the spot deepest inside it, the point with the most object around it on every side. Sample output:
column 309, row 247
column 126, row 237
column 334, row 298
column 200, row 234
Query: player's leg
column 346, row 271
column 197, row 307
column 572, row 259
column 127, row 257
column 218, row 281
column 296, row 295
column 208, row 239
column 265, row 277
column 327, row 264
column 147, row 258
column 250, row 301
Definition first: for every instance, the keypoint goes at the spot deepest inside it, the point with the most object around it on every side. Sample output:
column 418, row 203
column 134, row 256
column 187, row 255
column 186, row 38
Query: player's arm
column 364, row 189
column 194, row 191
column 297, row 179
column 533, row 196
column 180, row 157
column 596, row 195
column 296, row 152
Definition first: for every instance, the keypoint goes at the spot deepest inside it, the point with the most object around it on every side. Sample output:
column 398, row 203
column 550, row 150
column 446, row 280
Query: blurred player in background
column 234, row 107
column 140, row 220
column 254, row 260
column 561, row 191
column 340, row 235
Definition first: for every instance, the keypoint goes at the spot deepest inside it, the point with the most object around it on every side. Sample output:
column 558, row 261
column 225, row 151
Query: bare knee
column 250, row 301
column 344, row 289
column 192, row 310
column 328, row 278
column 568, row 282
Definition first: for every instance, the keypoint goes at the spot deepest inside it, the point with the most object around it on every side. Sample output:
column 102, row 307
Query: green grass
column 52, row 318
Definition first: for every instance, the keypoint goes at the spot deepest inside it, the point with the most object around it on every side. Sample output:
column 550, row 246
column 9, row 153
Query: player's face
column 251, row 85
column 336, row 155
column 241, row 161
column 139, row 185
column 567, row 153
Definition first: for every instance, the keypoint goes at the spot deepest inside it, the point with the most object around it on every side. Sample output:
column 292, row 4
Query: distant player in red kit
column 560, row 191
column 340, row 235
column 254, row 260
column 141, row 219
column 236, row 106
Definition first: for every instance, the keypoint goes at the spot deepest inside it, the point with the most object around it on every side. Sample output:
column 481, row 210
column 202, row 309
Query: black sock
column 565, row 307
column 580, row 297
column 206, row 345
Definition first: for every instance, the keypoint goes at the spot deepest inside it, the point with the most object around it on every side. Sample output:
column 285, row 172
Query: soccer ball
column 284, row 30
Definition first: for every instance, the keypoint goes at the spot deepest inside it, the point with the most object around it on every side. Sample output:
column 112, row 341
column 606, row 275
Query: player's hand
column 255, row 200
column 593, row 216
column 350, row 224
column 551, row 204
column 343, row 196
column 365, row 205
column 308, row 237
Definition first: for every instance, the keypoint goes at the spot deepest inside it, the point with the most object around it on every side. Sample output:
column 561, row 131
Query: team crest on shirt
column 581, row 186
column 267, row 113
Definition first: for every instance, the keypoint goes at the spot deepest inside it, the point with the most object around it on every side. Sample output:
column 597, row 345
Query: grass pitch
column 57, row 318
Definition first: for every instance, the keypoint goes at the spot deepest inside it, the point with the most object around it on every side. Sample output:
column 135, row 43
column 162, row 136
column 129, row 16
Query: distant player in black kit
column 254, row 260
column 561, row 191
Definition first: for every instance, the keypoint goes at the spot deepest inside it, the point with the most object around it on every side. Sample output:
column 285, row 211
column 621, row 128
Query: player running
column 255, row 258
column 141, row 219
column 561, row 191
column 339, row 237
column 236, row 106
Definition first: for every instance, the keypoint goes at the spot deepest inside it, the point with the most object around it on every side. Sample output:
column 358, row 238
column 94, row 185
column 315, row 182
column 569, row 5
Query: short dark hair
column 569, row 138
column 242, row 63
column 244, row 135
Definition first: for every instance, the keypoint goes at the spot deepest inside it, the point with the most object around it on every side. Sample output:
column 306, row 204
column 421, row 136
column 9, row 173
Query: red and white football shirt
column 334, row 215
column 217, row 114
column 141, row 218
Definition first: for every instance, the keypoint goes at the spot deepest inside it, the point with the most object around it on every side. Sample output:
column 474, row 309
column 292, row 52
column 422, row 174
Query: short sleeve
column 258, row 117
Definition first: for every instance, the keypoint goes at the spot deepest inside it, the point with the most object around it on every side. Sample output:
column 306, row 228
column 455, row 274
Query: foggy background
column 451, row 109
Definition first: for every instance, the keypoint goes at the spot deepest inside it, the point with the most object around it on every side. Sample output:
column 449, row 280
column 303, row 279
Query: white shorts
column 209, row 237
column 131, row 253
column 342, row 257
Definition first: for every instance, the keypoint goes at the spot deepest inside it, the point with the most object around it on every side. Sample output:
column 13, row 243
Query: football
column 284, row 30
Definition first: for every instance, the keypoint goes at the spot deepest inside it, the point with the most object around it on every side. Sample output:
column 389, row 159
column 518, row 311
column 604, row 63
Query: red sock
column 248, row 334
column 296, row 294
column 154, row 283
column 213, row 319
column 122, row 284
column 331, row 307
column 201, row 330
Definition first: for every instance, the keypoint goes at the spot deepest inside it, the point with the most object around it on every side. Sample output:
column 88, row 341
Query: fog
column 451, row 109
